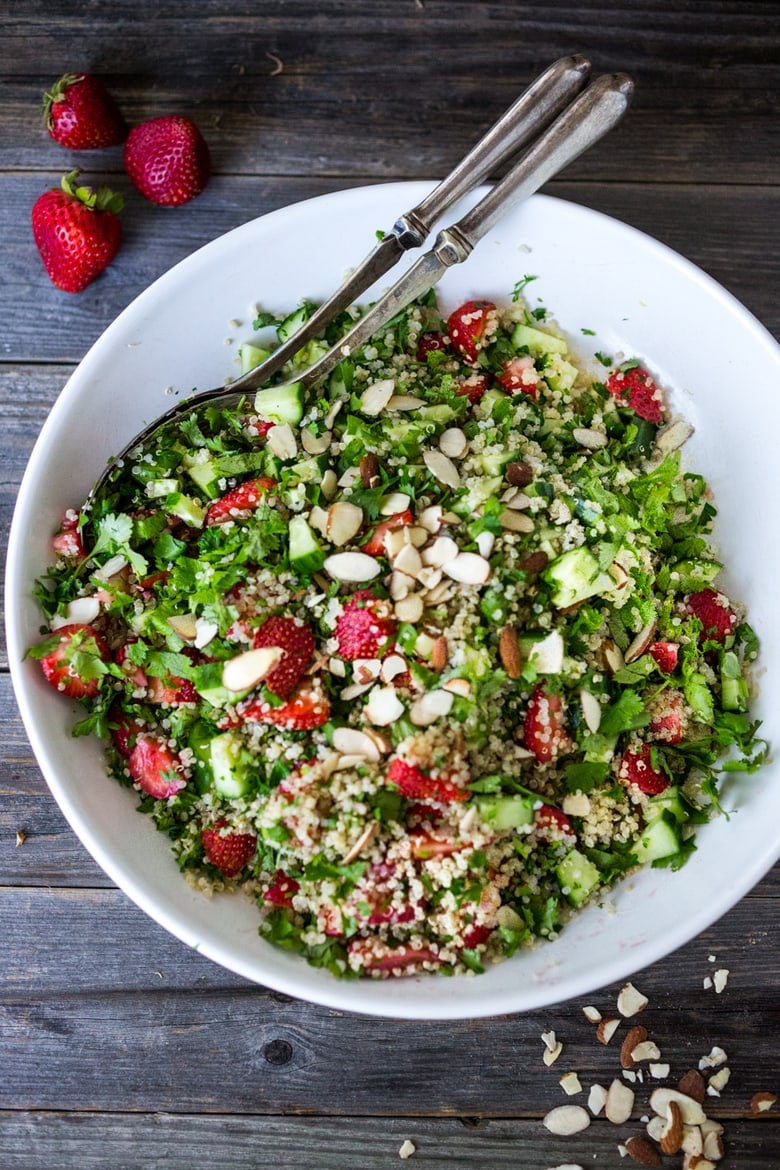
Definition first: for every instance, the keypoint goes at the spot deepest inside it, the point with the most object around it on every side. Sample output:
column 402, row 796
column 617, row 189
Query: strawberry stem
column 102, row 199
column 57, row 94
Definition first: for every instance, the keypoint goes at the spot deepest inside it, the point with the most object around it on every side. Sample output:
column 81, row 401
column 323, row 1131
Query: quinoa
column 528, row 695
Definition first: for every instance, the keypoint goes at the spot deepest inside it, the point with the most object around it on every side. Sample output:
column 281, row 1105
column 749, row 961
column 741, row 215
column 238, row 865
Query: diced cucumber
column 671, row 800
column 293, row 322
column 199, row 740
column 439, row 413
column 506, row 812
column 537, row 341
column 208, row 683
column 281, row 404
column 733, row 687
column 691, row 575
column 576, row 576
column 187, row 509
column 306, row 553
column 157, row 488
column 309, row 470
column 661, row 838
column 493, row 462
column 558, row 373
column 206, row 477
column 251, row 356
column 480, row 489
column 229, row 766
column 490, row 402
column 578, row 877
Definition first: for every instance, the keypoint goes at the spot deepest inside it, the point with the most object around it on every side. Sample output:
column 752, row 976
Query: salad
column 423, row 659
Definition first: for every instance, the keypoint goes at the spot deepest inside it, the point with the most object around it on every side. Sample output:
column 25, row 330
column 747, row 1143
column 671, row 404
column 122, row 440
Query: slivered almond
column 405, row 402
column 429, row 577
column 453, row 443
column 383, row 706
column 576, row 804
column 692, row 1112
column 646, row 1050
column 641, row 641
column 318, row 518
column 597, row 1099
column 430, row 518
column 248, row 669
column 550, row 1055
column 692, row 1140
column 351, row 567
column 518, row 501
column 485, row 543
column 350, row 741
column 642, row 1151
column 430, row 707
column 586, row 437
column 344, row 521
column 630, row 1001
column 400, row 585
column 364, row 839
column 349, row 478
column 315, row 444
column 369, row 471
column 549, row 1040
column 692, row 1084
column 570, row 1083
column 713, row 1147
column 442, row 468
column 440, row 654
column 409, row 608
column 566, row 1120
column 547, row 656
column 633, row 1037
column 620, row 1102
column 613, row 656
column 515, row 521
column 671, row 1135
column 591, row 1014
column 591, row 710
column 606, row 1030
column 393, row 504
column 660, row 1071
column 82, row 610
column 509, row 651
column 185, row 625
column 442, row 549
column 458, row 686
column 329, row 484
column 375, row 397
column 418, row 536
column 468, row 569
column 762, row 1102
column 718, row 1081
column 408, row 561
column 282, row 442
column 673, row 436
column 392, row 666
column 655, row 1128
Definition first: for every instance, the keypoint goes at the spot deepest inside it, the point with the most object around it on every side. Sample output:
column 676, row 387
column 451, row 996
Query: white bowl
column 593, row 273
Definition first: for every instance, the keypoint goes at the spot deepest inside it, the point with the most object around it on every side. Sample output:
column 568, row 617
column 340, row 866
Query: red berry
column 552, row 822
column 155, row 767
column 474, row 387
column 307, row 708
column 543, row 729
column 415, row 784
column 519, row 375
column 125, row 732
column 77, row 232
column 168, row 160
column 375, row 955
column 713, row 611
column 636, row 389
column 74, row 665
column 281, row 890
column 375, row 545
column 476, row 935
column 365, row 628
column 636, row 767
column 669, row 717
column 666, row 655
column 428, row 343
column 81, row 114
column 240, row 502
column 297, row 641
column 229, row 852
column 469, row 326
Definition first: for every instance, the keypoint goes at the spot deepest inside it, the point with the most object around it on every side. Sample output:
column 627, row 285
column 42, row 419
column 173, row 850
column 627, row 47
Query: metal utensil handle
column 526, row 118
column 597, row 110
column 534, row 110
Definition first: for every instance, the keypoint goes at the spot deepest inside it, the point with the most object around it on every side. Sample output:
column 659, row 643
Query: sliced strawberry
column 712, row 609
column 376, row 898
column 636, row 767
column 428, row 343
column 136, row 674
column 476, row 935
column 375, row 955
column 306, row 709
column 669, row 717
column 426, row 845
column 282, row 890
column 365, row 628
column 375, row 545
column 74, row 665
column 636, row 389
column 474, row 387
column 67, row 542
column 170, row 691
column 519, row 375
column 155, row 767
column 470, row 326
column 125, row 731
column 552, row 822
column 415, row 784
column 543, row 729
column 666, row 655
column 229, row 852
column 240, row 502
column 296, row 639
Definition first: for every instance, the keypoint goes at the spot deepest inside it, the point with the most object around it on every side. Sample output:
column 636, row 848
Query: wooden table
column 120, row 1047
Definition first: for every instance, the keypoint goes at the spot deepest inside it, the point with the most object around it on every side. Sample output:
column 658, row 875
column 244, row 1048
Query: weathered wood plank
column 164, row 1141
column 695, row 66
column 729, row 231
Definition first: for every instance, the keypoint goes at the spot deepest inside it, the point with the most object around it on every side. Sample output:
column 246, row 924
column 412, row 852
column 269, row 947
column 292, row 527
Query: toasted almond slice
column 458, row 686
column 369, row 469
column 566, row 1120
column 549, row 1039
column 671, row 1135
column 613, row 656
column 185, row 625
column 550, row 1055
column 485, row 544
column 336, row 666
column 363, row 840
column 570, row 1083
column 405, row 402
column 383, row 706
column 591, row 710
column 692, row 1084
column 344, row 522
column 351, row 567
column 442, row 468
column 429, row 577
column 111, row 568
column 440, row 551
column 349, row 478
column 673, row 436
column 409, row 608
column 714, row 1059
column 400, row 585
column 762, row 1102
column 350, row 741
column 354, row 690
column 692, row 1140
column 468, row 569
column 407, row 561
column 248, row 669
column 587, row 437
column 430, row 707
column 431, row 518
column 205, row 632
column 606, row 1030
column 315, row 444
column 440, row 593
column 82, row 610
column 597, row 1099
column 641, row 641
column 394, row 503
column 591, row 1014
column 645, row 1050
column 547, row 656
column 632, row 1037
column 655, row 1128
column 660, row 1071
column 692, row 1112
column 318, row 518
column 718, row 1081
column 440, row 653
column 720, row 978
column 642, row 1151
column 418, row 536
column 713, row 1147
column 392, row 666
column 515, row 521
column 395, row 540
column 375, row 397
column 509, row 652
column 576, row 804
column 281, row 441
column 453, row 443
column 619, row 1103
column 518, row 501
column 329, row 484
column 630, row 1001
column 333, row 413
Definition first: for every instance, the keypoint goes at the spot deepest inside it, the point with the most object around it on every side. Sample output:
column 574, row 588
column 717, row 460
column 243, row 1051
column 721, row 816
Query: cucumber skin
column 579, row 876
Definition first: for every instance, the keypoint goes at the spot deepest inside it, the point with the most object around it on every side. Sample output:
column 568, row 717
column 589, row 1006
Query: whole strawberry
column 81, row 114
column 77, row 232
column 168, row 160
